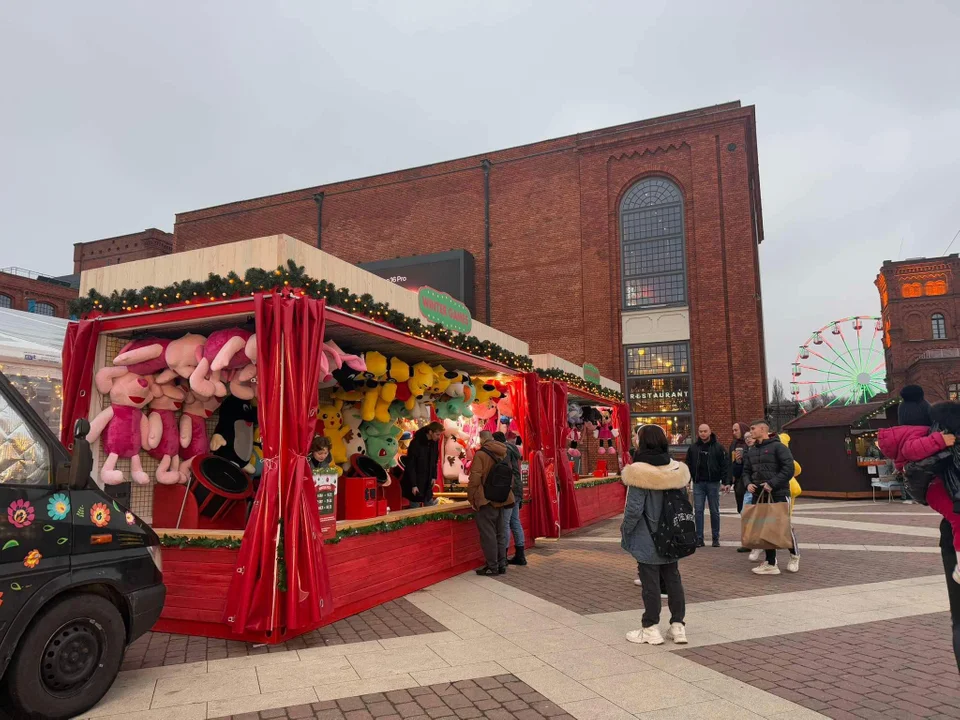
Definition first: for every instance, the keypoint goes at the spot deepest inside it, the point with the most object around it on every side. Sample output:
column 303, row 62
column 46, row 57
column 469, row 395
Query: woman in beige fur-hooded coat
column 652, row 472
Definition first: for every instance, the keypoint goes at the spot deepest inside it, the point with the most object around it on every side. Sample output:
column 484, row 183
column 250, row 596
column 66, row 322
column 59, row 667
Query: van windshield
column 24, row 457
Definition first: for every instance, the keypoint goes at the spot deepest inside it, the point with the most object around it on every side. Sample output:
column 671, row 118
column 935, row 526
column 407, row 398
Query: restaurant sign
column 445, row 310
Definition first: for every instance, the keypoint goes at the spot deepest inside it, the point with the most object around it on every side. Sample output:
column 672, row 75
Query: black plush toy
column 233, row 437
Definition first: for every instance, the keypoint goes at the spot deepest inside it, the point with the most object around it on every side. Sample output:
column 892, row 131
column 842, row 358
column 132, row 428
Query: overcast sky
column 116, row 115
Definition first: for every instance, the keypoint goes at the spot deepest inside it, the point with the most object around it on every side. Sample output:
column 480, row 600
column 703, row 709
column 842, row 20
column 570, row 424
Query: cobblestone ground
column 860, row 632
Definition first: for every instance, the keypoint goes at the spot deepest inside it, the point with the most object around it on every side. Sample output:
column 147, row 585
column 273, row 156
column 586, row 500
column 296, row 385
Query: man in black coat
column 767, row 468
column 709, row 464
column 420, row 465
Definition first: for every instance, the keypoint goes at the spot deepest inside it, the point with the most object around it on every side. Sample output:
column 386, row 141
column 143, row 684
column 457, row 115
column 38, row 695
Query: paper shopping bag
column 766, row 525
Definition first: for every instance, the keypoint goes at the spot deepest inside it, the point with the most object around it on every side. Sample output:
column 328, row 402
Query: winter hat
column 913, row 410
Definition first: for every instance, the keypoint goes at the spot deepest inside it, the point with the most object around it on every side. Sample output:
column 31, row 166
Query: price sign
column 525, row 479
column 326, row 488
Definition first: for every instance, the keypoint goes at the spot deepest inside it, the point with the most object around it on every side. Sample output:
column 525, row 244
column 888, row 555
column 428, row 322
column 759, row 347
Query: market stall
column 259, row 545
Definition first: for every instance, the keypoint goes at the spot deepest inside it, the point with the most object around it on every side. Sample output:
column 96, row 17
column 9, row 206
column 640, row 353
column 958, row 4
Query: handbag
column 765, row 525
column 917, row 476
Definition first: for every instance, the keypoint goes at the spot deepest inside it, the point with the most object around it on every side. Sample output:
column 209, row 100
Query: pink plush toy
column 333, row 358
column 232, row 349
column 169, row 358
column 605, row 433
column 193, row 428
column 573, row 442
column 126, row 426
column 163, row 439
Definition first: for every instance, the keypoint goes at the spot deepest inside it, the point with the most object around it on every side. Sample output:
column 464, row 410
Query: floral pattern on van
column 20, row 513
column 32, row 559
column 58, row 507
column 100, row 515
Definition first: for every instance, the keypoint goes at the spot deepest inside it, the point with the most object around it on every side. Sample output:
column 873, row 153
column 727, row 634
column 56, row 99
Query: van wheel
column 67, row 659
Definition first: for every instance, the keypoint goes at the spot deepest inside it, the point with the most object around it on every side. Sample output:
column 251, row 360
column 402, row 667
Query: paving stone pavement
column 858, row 627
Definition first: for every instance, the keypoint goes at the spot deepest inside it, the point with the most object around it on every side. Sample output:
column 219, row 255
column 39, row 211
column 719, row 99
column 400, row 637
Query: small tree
column 779, row 397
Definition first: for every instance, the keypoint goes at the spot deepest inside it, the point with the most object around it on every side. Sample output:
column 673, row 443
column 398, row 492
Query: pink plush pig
column 163, row 438
column 169, row 358
column 124, row 427
column 232, row 349
column 193, row 428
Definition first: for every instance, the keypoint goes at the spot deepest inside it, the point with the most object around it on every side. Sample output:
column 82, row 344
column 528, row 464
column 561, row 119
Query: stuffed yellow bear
column 441, row 380
column 485, row 390
column 420, row 381
column 330, row 424
column 378, row 387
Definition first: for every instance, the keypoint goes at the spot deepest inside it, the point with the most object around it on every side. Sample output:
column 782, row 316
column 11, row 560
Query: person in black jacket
column 420, row 465
column 738, row 448
column 767, row 468
column 709, row 468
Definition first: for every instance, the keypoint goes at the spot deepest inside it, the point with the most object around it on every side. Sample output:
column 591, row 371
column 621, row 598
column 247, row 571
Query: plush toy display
column 231, row 349
column 330, row 424
column 441, row 380
column 421, row 379
column 169, row 358
column 193, row 428
column 459, row 384
column 254, row 468
column 507, row 425
column 163, row 438
column 382, row 441
column 333, row 359
column 606, row 434
column 353, row 440
column 378, row 388
column 485, row 390
column 451, row 408
column 454, row 453
column 123, row 425
column 233, row 437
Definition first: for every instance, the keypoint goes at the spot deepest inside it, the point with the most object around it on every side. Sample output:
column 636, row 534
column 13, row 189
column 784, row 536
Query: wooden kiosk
column 266, row 566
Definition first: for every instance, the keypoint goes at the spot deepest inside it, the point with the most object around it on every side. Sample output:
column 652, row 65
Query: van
column 80, row 575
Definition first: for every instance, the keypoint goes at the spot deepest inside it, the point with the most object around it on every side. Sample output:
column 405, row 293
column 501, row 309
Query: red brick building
column 110, row 251
column 634, row 248
column 919, row 305
column 33, row 292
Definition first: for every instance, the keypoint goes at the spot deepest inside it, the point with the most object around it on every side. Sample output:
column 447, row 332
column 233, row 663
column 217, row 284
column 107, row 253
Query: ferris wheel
column 842, row 363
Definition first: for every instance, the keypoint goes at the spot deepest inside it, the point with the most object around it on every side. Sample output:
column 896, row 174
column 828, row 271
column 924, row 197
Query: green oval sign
column 591, row 373
column 442, row 309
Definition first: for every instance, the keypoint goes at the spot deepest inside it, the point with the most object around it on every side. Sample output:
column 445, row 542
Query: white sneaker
column 754, row 555
column 766, row 568
column 678, row 633
column 637, row 582
column 650, row 635
column 956, row 574
column 664, row 596
column 794, row 564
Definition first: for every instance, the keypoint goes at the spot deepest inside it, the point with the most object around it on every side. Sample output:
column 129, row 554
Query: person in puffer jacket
column 911, row 440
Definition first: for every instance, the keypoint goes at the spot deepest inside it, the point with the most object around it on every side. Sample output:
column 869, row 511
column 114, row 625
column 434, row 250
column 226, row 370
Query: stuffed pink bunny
column 193, row 428
column 169, row 358
column 231, row 349
column 126, row 426
column 163, row 438
column 333, row 358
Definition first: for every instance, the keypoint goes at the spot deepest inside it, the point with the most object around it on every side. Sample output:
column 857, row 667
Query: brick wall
column 554, row 256
column 110, row 251
column 21, row 290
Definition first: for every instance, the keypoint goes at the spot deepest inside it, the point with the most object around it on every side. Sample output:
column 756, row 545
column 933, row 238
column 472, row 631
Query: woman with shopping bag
column 768, row 468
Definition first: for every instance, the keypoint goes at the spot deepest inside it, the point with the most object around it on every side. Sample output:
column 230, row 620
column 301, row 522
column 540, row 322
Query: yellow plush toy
column 795, row 488
column 441, row 380
column 419, row 382
column 485, row 390
column 379, row 390
column 330, row 424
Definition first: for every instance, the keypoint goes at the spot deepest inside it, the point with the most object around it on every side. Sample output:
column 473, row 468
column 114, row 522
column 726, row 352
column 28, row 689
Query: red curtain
column 79, row 355
column 528, row 406
column 289, row 342
column 621, row 421
column 544, row 520
column 554, row 404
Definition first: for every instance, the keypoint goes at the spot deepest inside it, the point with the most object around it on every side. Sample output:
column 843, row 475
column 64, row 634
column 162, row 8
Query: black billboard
column 450, row 272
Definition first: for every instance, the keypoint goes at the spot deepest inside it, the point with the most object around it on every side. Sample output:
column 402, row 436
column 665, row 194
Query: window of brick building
column 659, row 388
column 44, row 308
column 939, row 327
column 953, row 391
column 652, row 245
column 6, row 301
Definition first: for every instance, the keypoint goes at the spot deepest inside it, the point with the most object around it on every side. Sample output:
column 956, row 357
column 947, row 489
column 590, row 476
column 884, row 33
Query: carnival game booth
column 266, row 558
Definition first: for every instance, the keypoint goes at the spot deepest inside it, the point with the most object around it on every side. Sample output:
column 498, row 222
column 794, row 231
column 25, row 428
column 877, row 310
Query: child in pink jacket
column 912, row 441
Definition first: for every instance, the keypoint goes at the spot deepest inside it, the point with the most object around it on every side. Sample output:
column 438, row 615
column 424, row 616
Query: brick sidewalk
column 398, row 618
column 893, row 669
column 496, row 698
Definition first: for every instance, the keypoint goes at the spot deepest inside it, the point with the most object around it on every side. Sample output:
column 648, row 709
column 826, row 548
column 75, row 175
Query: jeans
column 511, row 522
column 704, row 492
column 949, row 556
column 493, row 536
column 650, row 576
column 429, row 503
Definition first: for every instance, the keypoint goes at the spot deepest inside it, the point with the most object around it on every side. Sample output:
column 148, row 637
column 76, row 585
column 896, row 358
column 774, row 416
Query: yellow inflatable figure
column 795, row 488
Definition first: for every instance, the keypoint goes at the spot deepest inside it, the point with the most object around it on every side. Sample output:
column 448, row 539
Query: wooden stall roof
column 839, row 416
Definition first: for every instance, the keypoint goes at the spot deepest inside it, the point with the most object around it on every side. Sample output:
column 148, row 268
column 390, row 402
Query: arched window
column 6, row 301
column 939, row 327
column 652, row 245
column 43, row 308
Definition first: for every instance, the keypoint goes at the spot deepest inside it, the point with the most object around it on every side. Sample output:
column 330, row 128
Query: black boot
column 519, row 558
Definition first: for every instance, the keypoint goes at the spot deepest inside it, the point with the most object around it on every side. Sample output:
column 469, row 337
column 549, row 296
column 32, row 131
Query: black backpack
column 917, row 476
column 675, row 536
column 499, row 481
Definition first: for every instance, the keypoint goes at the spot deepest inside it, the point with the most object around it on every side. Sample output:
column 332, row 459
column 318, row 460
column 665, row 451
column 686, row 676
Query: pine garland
column 594, row 483
column 183, row 542
column 579, row 382
column 292, row 277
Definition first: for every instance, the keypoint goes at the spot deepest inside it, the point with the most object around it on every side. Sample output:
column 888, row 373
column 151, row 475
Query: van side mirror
column 81, row 462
